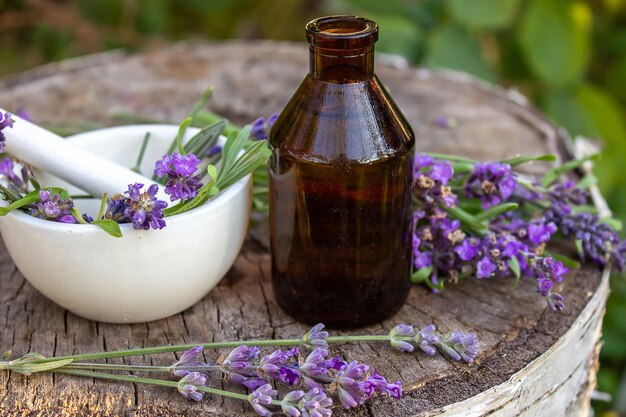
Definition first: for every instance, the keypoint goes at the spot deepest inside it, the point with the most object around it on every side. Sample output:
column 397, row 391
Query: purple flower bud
column 182, row 184
column 261, row 397
column 188, row 386
column 279, row 365
column 492, row 183
column 236, row 367
column 143, row 209
column 261, row 127
column 314, row 369
column 467, row 249
column 352, row 387
column 555, row 302
column 240, row 357
column 314, row 403
column 191, row 358
column 402, row 330
column 315, row 338
column 213, row 151
column 459, row 346
column 426, row 339
column 540, row 232
column 485, row 268
column 379, row 384
column 52, row 207
column 5, row 122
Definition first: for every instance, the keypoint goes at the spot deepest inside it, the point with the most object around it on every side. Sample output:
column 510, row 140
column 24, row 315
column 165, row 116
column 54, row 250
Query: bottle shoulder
column 355, row 122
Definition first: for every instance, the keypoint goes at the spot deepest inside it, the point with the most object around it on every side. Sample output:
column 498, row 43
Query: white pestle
column 51, row 153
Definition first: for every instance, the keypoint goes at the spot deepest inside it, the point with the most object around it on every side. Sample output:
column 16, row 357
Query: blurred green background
column 568, row 56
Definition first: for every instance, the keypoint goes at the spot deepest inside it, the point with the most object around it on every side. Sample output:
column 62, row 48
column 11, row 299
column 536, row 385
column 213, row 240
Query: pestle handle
column 86, row 170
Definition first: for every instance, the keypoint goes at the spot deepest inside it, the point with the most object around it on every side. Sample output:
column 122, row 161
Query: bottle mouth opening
column 342, row 31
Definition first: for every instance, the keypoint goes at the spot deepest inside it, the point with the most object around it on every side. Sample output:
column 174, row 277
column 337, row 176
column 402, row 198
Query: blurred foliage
column 568, row 56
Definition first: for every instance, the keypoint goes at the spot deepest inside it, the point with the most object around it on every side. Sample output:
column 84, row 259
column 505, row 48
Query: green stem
column 174, row 348
column 102, row 206
column 151, row 381
column 142, row 151
column 217, row 345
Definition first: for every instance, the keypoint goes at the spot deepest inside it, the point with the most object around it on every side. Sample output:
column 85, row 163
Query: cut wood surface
column 532, row 362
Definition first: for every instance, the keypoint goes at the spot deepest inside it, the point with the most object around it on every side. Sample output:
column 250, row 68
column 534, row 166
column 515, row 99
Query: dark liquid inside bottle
column 340, row 195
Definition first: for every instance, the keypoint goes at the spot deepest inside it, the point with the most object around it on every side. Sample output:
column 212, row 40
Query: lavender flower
column 402, row 330
column 236, row 367
column 598, row 239
column 262, row 397
column 426, row 339
column 52, row 207
column 182, row 184
column 5, row 121
column 436, row 242
column 261, row 127
column 314, row 403
column 619, row 255
column 188, row 386
column 540, row 231
column 190, row 359
column 143, row 209
column 430, row 179
column 117, row 209
column 353, row 389
column 378, row 383
column 213, row 151
column 279, row 366
column 314, row 369
column 492, row 183
column 459, row 346
column 562, row 198
column 314, row 338
column 15, row 182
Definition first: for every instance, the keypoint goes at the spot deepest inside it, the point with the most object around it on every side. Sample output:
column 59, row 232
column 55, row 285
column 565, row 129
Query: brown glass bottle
column 340, row 185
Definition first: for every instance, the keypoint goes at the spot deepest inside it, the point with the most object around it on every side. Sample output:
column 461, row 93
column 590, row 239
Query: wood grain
column 532, row 362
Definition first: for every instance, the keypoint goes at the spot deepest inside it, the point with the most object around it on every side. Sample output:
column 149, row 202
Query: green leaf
column 26, row 367
column 109, row 226
column 29, row 198
column 514, row 266
column 484, row 14
column 567, row 261
column 179, row 137
column 421, row 275
column 454, row 47
column 579, row 246
column 555, row 38
column 467, row 219
column 451, row 158
column 555, row 173
column 9, row 194
column 34, row 183
column 496, row 211
column 202, row 141
column 587, row 181
column 523, row 159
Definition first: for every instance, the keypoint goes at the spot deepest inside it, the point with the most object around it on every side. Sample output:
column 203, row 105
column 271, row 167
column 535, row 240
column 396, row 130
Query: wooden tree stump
column 532, row 362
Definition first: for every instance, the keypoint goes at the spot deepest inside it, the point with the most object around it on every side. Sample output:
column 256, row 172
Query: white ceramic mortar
column 145, row 275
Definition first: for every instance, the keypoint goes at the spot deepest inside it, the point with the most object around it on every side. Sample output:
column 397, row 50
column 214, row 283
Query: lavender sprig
column 5, row 122
column 508, row 238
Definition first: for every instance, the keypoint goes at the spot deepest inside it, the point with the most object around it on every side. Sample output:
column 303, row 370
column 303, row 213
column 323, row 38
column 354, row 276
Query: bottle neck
column 341, row 66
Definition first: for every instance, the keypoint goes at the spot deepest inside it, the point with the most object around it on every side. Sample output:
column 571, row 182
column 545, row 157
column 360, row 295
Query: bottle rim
column 342, row 31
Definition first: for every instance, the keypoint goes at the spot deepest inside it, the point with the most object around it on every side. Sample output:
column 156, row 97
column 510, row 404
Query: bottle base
column 346, row 319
